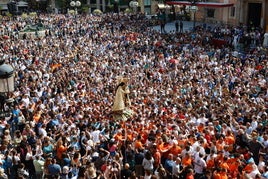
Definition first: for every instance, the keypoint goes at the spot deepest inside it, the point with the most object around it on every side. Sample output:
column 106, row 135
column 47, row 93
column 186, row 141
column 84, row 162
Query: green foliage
column 97, row 12
column 128, row 10
column 33, row 14
column 85, row 8
column 24, row 15
column 72, row 12
column 9, row 14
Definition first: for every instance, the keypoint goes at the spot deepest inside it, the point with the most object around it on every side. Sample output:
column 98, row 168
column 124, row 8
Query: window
column 147, row 2
column 232, row 12
column 93, row 1
column 211, row 13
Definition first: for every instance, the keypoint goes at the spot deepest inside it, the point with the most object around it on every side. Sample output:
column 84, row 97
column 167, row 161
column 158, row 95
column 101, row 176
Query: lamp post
column 194, row 9
column 134, row 5
column 6, row 86
column 116, row 6
column 75, row 4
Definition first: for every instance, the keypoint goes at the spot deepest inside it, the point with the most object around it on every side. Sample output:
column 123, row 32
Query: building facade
column 246, row 12
column 232, row 12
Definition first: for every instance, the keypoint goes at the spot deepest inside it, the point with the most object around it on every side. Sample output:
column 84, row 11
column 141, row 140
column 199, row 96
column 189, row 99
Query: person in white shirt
column 199, row 166
column 39, row 166
column 265, row 140
column 95, row 134
column 42, row 131
column 148, row 162
column 176, row 170
column 254, row 123
column 188, row 149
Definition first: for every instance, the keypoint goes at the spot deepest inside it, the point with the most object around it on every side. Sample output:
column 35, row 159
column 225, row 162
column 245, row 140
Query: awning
column 201, row 4
column 161, row 6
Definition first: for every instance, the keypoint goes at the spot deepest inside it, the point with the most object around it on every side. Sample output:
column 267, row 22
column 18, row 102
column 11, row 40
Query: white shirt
column 199, row 165
column 42, row 132
column 95, row 136
column 148, row 164
column 176, row 169
column 254, row 124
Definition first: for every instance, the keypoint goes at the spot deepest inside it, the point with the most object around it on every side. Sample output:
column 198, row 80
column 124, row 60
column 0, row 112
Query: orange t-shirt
column 233, row 164
column 164, row 147
column 248, row 168
column 217, row 175
column 224, row 165
column 210, row 163
column 219, row 145
column 60, row 151
column 157, row 158
column 130, row 137
column 138, row 144
column 200, row 128
column 175, row 150
column 229, row 140
column 37, row 117
column 186, row 161
column 223, row 175
column 118, row 137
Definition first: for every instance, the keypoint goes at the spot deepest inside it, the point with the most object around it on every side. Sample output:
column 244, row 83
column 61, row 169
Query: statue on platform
column 121, row 106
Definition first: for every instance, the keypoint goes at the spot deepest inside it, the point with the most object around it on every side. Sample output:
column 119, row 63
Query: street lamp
column 194, row 9
column 75, row 4
column 6, row 85
column 134, row 5
column 116, row 6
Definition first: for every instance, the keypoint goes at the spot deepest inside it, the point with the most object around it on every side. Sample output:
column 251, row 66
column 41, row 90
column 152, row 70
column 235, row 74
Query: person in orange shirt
column 175, row 150
column 201, row 128
column 60, row 148
column 224, row 165
column 219, row 159
column 223, row 174
column 229, row 140
column 138, row 144
column 233, row 164
column 249, row 167
column 156, row 155
column 164, row 149
column 119, row 136
column 181, row 142
column 190, row 174
column 216, row 174
column 211, row 160
column 220, row 173
column 186, row 160
column 144, row 136
column 220, row 143
column 130, row 135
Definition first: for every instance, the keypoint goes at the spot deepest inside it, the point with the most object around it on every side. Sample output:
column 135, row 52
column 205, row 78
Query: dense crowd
column 200, row 111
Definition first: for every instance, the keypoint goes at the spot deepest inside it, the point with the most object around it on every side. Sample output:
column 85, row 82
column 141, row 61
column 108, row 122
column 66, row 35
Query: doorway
column 254, row 14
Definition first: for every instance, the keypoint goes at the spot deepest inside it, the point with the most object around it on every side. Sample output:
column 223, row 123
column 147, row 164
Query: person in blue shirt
column 15, row 118
column 54, row 169
column 169, row 164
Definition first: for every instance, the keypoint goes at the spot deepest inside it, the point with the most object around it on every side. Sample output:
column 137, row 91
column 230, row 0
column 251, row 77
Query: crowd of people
column 199, row 110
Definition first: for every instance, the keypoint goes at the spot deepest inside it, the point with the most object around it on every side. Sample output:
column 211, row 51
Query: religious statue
column 121, row 106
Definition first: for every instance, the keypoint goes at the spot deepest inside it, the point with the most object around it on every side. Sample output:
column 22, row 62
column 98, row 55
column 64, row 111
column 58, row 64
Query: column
column 98, row 4
column 266, row 15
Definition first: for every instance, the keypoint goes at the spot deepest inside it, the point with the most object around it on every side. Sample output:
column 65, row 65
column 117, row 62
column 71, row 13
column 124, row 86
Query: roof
column 201, row 4
column 19, row 4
